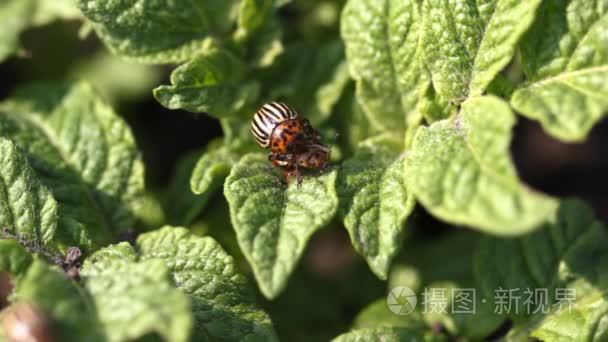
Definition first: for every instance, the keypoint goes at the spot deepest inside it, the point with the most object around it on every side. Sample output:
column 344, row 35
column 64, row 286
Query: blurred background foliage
column 322, row 290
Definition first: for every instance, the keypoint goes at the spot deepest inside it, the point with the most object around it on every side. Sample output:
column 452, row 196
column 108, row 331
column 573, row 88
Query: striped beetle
column 293, row 142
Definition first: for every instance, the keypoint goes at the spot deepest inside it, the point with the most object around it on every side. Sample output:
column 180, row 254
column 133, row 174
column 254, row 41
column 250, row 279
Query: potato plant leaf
column 15, row 16
column 14, row 259
column 466, row 43
column 252, row 15
column 181, row 205
column 134, row 299
column 433, row 107
column 382, row 46
column 198, row 177
column 310, row 77
column 212, row 82
column 222, row 300
column 258, row 33
column 584, row 321
column 127, row 80
column 388, row 334
column 374, row 201
column 27, row 208
column 81, row 151
column 48, row 11
column 164, row 31
column 377, row 314
column 211, row 169
column 104, row 257
column 329, row 94
column 565, row 57
column 262, row 49
column 437, row 283
column 273, row 222
column 460, row 170
column 568, row 254
column 68, row 306
column 456, row 314
column 350, row 120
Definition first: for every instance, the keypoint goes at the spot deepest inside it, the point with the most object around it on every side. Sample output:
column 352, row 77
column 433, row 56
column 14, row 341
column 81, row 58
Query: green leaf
column 212, row 82
column 84, row 153
column 329, row 94
column 14, row 259
column 281, row 3
column 259, row 32
column 198, row 178
column 454, row 249
column 387, row 334
column 71, row 310
column 311, row 78
column 49, row 10
column 151, row 214
column 263, row 48
column 252, row 15
column 454, row 270
column 378, row 315
column 569, row 252
column 404, row 275
column 212, row 167
column 350, row 120
column 382, row 46
column 136, row 299
column 467, row 43
column 273, row 222
column 104, row 257
column 211, row 170
column 565, row 57
column 223, row 301
column 152, row 31
column 27, row 208
column 375, row 202
column 320, row 311
column 460, row 170
column 215, row 223
column 377, row 323
column 183, row 206
column 18, row 15
column 15, row 16
column 118, row 81
column 585, row 321
column 476, row 325
column 433, row 107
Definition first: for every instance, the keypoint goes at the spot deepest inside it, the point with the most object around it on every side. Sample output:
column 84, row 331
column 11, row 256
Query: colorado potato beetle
column 292, row 140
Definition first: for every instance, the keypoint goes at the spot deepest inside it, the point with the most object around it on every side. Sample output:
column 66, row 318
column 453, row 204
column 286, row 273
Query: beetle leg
column 286, row 161
column 310, row 131
column 281, row 159
column 273, row 156
column 292, row 168
column 299, row 177
column 287, row 172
